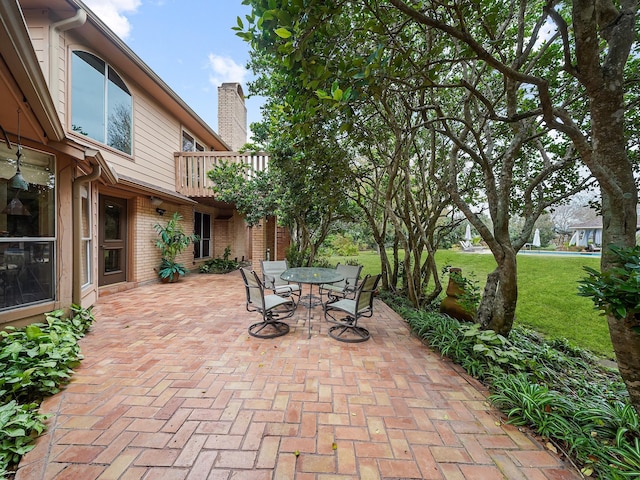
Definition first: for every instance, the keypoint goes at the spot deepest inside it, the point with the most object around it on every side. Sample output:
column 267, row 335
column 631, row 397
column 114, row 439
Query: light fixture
column 155, row 201
column 160, row 211
column 18, row 181
column 15, row 207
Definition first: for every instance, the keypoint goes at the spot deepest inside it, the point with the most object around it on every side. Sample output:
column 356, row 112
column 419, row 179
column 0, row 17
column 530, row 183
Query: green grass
column 547, row 294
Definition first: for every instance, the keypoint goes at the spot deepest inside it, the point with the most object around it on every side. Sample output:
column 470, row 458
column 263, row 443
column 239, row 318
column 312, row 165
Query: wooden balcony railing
column 192, row 168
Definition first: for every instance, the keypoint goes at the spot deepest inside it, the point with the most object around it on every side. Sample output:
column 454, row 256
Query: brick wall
column 146, row 256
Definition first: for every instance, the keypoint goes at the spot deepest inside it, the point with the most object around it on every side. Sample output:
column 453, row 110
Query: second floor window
column 101, row 102
column 190, row 144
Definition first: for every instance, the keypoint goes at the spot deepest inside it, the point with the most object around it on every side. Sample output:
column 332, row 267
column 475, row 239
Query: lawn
column 547, row 300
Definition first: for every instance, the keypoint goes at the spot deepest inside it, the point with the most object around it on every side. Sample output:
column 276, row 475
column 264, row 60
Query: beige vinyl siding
column 39, row 32
column 156, row 138
column 63, row 100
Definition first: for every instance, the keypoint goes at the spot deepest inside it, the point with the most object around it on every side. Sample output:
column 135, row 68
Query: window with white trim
column 191, row 144
column 101, row 105
column 86, row 238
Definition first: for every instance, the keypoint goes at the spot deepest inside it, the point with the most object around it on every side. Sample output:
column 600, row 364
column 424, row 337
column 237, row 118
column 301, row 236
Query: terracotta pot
column 451, row 305
column 172, row 279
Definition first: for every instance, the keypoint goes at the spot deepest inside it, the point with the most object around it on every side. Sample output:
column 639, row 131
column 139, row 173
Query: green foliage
column 34, row 362
column 255, row 196
column 470, row 297
column 169, row 270
column 295, row 257
column 19, row 426
column 172, row 240
column 560, row 391
column 220, row 265
column 496, row 348
column 341, row 245
column 616, row 291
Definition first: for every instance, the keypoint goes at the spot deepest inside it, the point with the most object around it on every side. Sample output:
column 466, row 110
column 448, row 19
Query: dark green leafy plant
column 19, row 426
column 616, row 291
column 296, row 258
column 35, row 361
column 172, row 240
column 625, row 459
column 220, row 265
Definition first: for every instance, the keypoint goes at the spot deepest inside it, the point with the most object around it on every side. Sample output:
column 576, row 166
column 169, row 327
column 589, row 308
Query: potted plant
column 172, row 241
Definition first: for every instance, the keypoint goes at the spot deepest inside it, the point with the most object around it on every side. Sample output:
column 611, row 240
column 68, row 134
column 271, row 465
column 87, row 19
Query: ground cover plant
column 220, row 265
column 579, row 407
column 35, row 361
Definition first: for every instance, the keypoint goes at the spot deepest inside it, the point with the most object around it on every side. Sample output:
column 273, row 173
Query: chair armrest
column 350, row 284
column 269, row 281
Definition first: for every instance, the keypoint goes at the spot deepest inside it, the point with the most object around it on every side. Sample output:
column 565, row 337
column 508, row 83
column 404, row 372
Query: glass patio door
column 112, row 240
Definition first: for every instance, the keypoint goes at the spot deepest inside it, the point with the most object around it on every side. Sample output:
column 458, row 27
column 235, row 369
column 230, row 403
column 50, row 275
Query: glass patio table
column 312, row 276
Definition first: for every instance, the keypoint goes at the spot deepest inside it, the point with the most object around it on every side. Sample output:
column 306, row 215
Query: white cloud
column 225, row 69
column 112, row 12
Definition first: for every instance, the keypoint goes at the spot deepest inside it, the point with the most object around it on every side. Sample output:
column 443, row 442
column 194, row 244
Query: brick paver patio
column 173, row 387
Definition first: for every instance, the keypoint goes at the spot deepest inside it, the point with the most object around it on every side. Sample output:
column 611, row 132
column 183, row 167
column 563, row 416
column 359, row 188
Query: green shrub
column 617, row 291
column 296, row 258
column 220, row 265
column 19, row 426
column 344, row 246
column 35, row 361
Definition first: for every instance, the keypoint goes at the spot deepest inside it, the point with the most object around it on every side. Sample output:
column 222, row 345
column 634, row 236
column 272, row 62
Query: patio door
column 112, row 238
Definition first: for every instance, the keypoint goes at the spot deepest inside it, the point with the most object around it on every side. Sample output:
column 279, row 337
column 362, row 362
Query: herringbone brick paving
column 173, row 387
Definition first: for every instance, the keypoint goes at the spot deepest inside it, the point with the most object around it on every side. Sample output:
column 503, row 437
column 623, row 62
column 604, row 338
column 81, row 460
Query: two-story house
column 94, row 149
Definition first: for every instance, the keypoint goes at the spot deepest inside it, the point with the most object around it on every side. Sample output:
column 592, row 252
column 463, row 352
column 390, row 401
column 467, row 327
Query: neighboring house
column 590, row 233
column 107, row 149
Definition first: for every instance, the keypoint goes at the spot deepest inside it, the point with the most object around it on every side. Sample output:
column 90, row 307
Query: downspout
column 76, row 294
column 55, row 29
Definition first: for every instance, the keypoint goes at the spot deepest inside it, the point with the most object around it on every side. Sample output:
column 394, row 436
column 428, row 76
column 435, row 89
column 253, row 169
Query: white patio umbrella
column 467, row 233
column 536, row 238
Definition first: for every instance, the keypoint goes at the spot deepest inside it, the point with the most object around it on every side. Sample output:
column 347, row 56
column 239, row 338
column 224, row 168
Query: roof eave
column 18, row 53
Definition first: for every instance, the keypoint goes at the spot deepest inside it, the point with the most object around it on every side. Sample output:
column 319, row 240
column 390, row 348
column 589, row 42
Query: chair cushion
column 272, row 301
column 346, row 305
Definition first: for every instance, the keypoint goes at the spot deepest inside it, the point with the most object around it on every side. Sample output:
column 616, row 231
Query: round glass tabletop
column 312, row 275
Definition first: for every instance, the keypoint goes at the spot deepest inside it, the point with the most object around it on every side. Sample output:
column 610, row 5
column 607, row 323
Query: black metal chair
column 345, row 313
column 272, row 307
column 345, row 288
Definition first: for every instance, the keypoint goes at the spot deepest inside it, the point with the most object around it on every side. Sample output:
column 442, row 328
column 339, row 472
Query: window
column 85, row 194
column 202, row 228
column 101, row 102
column 189, row 144
column 27, row 229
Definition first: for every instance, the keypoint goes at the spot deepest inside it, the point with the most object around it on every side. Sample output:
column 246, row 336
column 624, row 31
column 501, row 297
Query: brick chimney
column 232, row 115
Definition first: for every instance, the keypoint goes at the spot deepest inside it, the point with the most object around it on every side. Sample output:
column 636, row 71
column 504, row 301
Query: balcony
column 192, row 168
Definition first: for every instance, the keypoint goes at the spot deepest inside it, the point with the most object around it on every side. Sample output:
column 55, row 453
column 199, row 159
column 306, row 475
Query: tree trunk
column 619, row 218
column 626, row 345
column 498, row 305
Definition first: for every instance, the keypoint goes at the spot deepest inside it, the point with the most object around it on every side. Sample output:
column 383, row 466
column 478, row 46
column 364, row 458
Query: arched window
column 101, row 102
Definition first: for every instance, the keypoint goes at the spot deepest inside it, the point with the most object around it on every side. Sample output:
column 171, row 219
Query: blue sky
column 188, row 43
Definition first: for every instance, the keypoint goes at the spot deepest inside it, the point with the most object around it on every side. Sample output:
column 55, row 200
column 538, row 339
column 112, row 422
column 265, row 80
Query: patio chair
column 272, row 307
column 345, row 313
column 271, row 271
column 345, row 288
